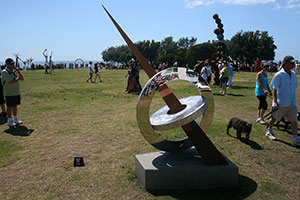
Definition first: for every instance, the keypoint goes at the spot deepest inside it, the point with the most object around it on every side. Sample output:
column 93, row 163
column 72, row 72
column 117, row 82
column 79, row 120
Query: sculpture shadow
column 249, row 142
column 244, row 189
column 19, row 131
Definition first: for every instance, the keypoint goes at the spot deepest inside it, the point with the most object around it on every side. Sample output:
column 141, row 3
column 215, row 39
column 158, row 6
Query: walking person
column 11, row 77
column 97, row 73
column 224, row 76
column 261, row 91
column 2, row 100
column 90, row 70
column 230, row 77
column 137, row 77
column 284, row 86
column 206, row 72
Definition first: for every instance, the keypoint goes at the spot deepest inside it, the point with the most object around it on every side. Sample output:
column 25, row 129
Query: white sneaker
column 296, row 143
column 17, row 121
column 261, row 121
column 270, row 134
column 10, row 122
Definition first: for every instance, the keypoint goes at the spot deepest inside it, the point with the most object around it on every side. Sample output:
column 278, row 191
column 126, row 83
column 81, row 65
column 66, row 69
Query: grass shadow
column 241, row 87
column 19, row 131
column 251, row 143
column 3, row 120
column 286, row 143
column 235, row 95
column 245, row 188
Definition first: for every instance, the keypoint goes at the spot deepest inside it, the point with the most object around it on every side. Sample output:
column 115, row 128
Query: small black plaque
column 78, row 162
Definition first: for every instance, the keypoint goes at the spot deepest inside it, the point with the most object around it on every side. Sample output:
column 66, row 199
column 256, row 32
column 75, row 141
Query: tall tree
column 149, row 50
column 249, row 46
column 201, row 51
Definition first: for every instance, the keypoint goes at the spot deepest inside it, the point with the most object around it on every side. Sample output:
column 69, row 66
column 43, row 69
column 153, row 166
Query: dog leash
column 272, row 110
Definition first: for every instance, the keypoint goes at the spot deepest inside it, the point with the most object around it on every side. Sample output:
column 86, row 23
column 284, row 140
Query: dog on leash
column 240, row 126
column 286, row 123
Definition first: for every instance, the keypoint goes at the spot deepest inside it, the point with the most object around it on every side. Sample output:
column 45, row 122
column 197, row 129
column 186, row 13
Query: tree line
column 243, row 47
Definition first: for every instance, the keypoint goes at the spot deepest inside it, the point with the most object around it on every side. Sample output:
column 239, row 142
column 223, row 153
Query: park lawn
column 65, row 117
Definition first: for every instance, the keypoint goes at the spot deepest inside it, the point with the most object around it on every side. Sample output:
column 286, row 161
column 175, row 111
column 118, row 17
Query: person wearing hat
column 261, row 91
column 11, row 77
column 284, row 86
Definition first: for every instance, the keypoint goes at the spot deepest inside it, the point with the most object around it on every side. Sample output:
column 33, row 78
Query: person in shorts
column 224, row 77
column 284, row 86
column 97, row 72
column 262, row 89
column 2, row 100
column 11, row 77
column 91, row 72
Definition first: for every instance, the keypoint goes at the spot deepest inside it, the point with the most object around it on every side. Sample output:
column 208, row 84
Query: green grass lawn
column 65, row 117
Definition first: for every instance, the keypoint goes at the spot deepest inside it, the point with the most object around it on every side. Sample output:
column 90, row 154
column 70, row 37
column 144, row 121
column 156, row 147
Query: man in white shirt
column 284, row 86
column 90, row 68
column 206, row 73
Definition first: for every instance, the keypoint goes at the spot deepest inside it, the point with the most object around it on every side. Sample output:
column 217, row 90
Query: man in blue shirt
column 284, row 86
column 229, row 83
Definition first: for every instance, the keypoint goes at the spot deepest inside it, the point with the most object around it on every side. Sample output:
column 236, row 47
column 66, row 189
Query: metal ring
column 161, row 120
column 145, row 99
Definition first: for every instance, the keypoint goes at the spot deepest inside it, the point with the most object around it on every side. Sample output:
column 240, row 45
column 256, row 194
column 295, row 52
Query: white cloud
column 247, row 2
column 194, row 3
column 277, row 4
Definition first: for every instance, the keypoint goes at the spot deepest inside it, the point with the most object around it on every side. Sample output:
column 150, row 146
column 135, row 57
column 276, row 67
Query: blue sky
column 81, row 29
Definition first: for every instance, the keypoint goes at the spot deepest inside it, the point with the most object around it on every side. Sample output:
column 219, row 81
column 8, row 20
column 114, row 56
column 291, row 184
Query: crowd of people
column 282, row 89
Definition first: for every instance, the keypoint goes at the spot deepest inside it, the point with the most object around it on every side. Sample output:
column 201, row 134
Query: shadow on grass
column 3, row 120
column 251, row 143
column 286, row 143
column 19, row 131
column 245, row 188
column 242, row 87
column 229, row 94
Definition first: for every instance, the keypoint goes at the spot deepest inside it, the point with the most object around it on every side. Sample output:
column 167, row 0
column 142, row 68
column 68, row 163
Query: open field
column 65, row 117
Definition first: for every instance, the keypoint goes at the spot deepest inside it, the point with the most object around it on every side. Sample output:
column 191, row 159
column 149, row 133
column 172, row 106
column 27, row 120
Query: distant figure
column 90, row 70
column 11, row 77
column 45, row 53
column 2, row 100
column 97, row 72
column 132, row 86
column 51, row 63
column 137, row 77
column 206, row 72
column 224, row 76
column 231, row 74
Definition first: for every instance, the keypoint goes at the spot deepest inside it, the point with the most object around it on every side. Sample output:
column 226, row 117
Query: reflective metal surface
column 163, row 120
column 206, row 149
column 196, row 106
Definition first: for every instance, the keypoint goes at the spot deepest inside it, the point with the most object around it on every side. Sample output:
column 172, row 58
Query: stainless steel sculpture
column 196, row 136
column 195, row 106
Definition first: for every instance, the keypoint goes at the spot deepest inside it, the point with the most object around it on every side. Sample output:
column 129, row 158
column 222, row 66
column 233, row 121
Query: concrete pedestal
column 182, row 171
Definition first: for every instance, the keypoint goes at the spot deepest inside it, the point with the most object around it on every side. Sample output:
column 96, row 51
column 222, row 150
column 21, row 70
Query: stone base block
column 182, row 171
